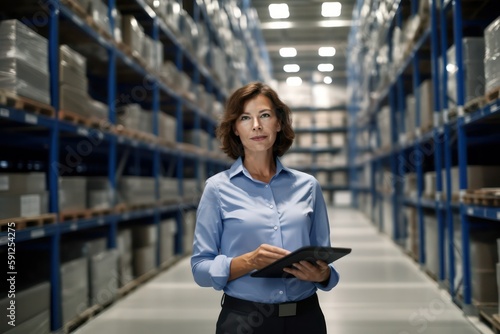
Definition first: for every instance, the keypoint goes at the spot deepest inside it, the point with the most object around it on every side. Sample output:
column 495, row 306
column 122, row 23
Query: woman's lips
column 258, row 138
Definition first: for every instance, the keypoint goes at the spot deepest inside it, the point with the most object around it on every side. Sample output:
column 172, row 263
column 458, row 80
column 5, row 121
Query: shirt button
column 267, row 186
column 275, row 227
column 271, row 206
column 281, row 292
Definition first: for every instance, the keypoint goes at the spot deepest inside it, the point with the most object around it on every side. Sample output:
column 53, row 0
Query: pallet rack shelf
column 436, row 146
column 118, row 77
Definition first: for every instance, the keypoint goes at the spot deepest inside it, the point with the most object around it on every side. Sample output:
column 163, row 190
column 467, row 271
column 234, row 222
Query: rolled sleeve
column 332, row 282
column 219, row 271
column 210, row 269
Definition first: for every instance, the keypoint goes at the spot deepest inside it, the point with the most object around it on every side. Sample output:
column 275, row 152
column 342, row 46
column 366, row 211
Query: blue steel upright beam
column 53, row 55
column 399, row 158
column 113, row 226
column 437, row 146
column 462, row 156
column 418, row 164
column 156, row 153
column 393, row 162
column 447, row 154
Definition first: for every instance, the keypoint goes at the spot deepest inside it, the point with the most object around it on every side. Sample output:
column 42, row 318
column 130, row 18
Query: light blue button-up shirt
column 237, row 214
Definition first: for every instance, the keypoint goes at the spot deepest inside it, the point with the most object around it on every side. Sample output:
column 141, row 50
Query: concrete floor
column 381, row 290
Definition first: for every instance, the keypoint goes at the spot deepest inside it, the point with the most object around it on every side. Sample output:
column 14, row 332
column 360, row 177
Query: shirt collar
column 238, row 168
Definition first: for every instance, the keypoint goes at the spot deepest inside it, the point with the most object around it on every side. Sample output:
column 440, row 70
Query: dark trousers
column 264, row 319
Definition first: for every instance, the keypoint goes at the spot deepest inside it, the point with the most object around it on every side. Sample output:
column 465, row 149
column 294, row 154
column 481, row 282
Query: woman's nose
column 256, row 124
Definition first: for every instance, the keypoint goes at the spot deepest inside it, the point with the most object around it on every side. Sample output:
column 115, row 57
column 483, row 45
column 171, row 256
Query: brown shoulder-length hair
column 231, row 144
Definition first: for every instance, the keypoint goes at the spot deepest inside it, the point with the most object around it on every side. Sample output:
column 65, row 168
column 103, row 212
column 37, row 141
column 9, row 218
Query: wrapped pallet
column 23, row 61
column 473, row 65
column 492, row 55
column 22, row 195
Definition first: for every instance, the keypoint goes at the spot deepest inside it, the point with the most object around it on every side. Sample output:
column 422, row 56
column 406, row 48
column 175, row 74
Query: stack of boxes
column 133, row 34
column 124, row 247
column 99, row 193
column 32, row 310
column 431, row 244
column 103, row 271
column 136, row 190
column 426, row 105
column 484, row 258
column 492, row 55
column 23, row 195
column 167, row 127
column 473, row 65
column 131, row 116
column 73, row 81
column 74, row 288
column 168, row 230
column 384, row 127
column 141, row 45
column 169, row 189
column 72, row 193
column 144, row 242
column 411, row 109
column 23, row 61
column 189, row 218
column 198, row 137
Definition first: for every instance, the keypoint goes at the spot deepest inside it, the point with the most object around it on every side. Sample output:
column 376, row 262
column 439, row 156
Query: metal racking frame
column 110, row 154
column 446, row 151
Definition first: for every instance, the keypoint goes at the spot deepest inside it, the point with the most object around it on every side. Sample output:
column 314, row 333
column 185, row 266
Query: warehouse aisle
column 381, row 291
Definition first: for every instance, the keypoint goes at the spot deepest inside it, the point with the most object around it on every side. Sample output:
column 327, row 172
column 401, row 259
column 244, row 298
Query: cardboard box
column 30, row 303
column 103, row 277
column 72, row 193
column 24, row 205
column 168, row 231
column 144, row 235
column 144, row 260
column 39, row 324
column 22, row 183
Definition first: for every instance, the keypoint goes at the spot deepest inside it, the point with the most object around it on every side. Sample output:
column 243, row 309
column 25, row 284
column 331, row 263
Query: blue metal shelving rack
column 450, row 140
column 109, row 148
column 314, row 129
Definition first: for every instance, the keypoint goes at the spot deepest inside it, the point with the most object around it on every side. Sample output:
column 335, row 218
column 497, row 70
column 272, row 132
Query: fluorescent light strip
column 291, row 68
column 288, row 52
column 279, row 11
column 326, row 51
column 293, row 81
column 325, row 67
column 331, row 9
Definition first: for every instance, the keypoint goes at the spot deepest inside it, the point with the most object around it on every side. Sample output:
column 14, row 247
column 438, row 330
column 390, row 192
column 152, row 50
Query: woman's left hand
column 307, row 271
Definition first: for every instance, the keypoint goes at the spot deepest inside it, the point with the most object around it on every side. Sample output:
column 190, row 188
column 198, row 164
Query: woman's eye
column 243, row 118
column 265, row 115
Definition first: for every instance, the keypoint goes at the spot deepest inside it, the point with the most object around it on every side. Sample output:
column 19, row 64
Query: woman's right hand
column 264, row 255
column 257, row 259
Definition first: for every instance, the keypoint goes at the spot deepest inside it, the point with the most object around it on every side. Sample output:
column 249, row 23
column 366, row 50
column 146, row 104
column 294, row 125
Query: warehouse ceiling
column 307, row 30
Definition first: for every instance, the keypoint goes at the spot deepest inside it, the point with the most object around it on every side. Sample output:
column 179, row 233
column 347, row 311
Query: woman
column 255, row 213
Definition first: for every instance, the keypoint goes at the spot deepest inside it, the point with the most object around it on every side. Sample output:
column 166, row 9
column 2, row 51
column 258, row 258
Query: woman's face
column 258, row 125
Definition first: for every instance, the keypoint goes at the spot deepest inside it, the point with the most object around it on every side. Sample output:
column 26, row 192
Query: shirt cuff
column 219, row 271
column 332, row 282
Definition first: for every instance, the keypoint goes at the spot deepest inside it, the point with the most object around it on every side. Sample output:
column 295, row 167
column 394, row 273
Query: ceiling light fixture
column 288, row 52
column 293, row 81
column 326, row 51
column 279, row 11
column 325, row 67
column 331, row 9
column 451, row 68
column 291, row 68
column 327, row 80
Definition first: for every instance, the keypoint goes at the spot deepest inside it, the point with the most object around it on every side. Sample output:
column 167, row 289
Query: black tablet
column 308, row 253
